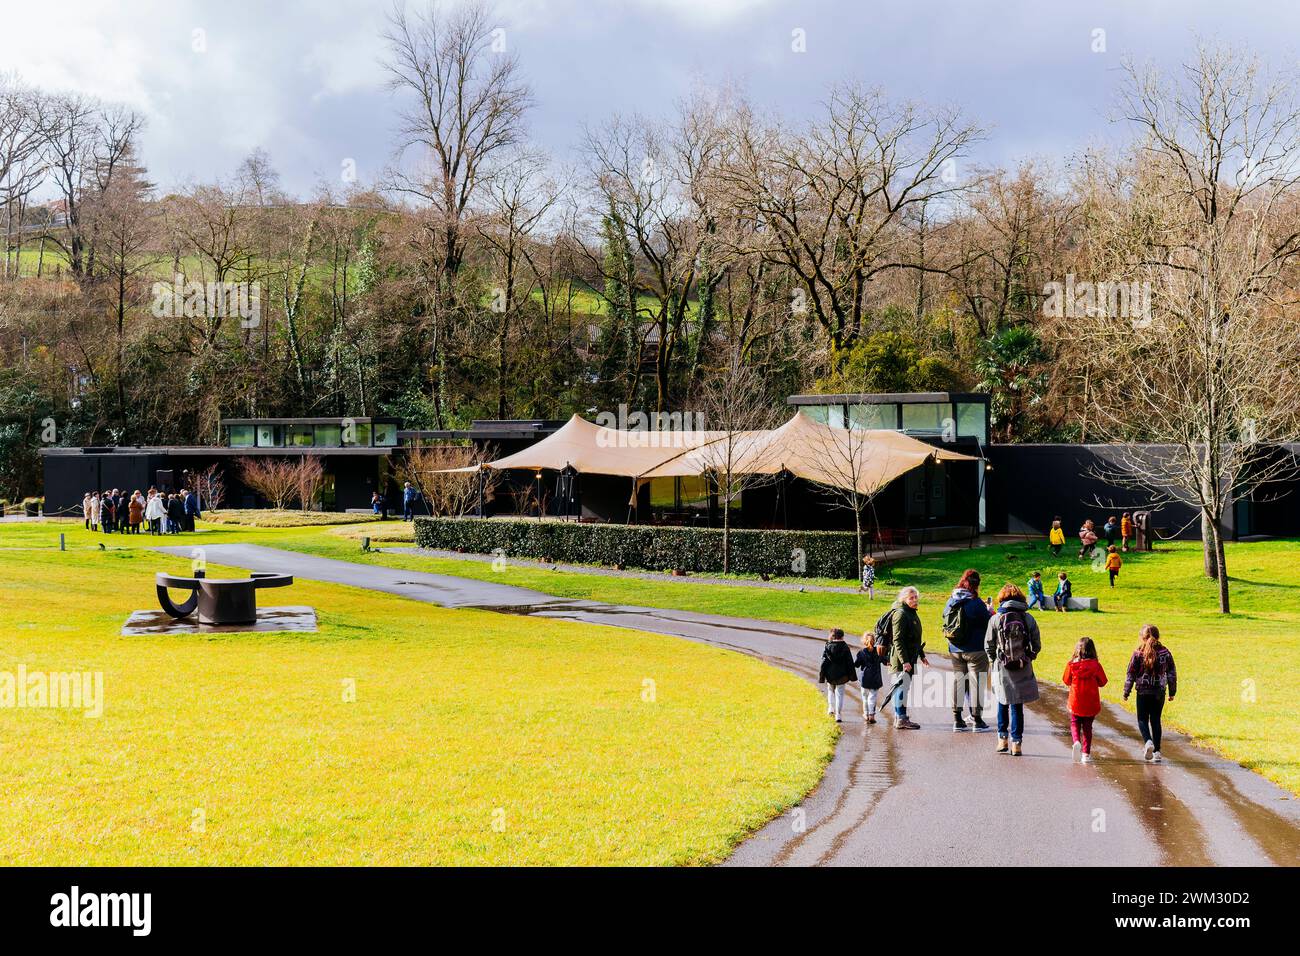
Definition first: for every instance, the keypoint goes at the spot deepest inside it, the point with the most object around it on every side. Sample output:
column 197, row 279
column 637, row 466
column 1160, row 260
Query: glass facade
column 947, row 420
column 971, row 421
column 927, row 419
column 331, row 434
column 871, row 417
column 300, row 436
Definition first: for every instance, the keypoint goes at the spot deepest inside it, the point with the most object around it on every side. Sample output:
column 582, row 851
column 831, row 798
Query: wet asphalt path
column 927, row 797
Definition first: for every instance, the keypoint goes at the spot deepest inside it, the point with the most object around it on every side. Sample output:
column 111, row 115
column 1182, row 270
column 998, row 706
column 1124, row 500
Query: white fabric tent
column 838, row 457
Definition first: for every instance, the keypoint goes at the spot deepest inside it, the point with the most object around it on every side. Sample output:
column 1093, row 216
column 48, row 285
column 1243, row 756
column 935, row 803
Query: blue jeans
column 1038, row 599
column 1017, row 720
column 900, row 694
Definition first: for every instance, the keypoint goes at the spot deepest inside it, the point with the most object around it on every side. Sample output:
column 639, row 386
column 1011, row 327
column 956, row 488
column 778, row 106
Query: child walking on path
column 1150, row 671
column 1113, row 563
column 869, row 577
column 1036, row 595
column 868, row 661
column 836, row 671
column 1064, row 590
column 1085, row 677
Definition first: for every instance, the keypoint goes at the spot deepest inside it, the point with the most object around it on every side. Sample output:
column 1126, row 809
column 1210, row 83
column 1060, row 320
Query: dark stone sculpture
column 218, row 600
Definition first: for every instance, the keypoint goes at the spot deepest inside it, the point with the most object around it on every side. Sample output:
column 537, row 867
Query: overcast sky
column 304, row 80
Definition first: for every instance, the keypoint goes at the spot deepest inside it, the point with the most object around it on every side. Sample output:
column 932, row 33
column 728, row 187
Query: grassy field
column 1239, row 673
column 473, row 738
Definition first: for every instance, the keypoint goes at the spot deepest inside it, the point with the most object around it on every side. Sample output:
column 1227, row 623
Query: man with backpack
column 965, row 621
column 1012, row 643
column 905, row 650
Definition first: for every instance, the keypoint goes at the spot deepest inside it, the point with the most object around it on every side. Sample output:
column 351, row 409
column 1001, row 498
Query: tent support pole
column 929, row 481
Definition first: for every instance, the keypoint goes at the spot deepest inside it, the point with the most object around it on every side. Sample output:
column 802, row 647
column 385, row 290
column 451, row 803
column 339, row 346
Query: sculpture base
column 158, row 621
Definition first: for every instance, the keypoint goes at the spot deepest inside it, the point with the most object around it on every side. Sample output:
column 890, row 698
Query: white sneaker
column 1076, row 750
column 1086, row 758
column 1148, row 749
column 1155, row 757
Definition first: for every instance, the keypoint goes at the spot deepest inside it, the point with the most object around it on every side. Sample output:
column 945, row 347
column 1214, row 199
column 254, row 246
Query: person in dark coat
column 191, row 508
column 836, row 671
column 906, row 650
column 965, row 634
column 868, row 661
column 175, row 514
column 1012, row 642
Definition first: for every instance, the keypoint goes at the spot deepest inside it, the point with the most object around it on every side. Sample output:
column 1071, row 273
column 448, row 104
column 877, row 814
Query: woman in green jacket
column 906, row 650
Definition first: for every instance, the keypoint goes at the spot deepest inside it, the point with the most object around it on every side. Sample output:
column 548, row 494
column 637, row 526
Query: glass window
column 300, row 435
column 971, row 421
column 268, row 436
column 385, row 433
column 329, row 436
column 357, row 434
column 241, row 436
column 927, row 419
column 817, row 413
column 873, row 416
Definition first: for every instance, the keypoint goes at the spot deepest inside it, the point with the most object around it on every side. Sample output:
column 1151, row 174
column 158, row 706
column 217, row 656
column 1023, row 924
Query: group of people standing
column 116, row 511
column 993, row 641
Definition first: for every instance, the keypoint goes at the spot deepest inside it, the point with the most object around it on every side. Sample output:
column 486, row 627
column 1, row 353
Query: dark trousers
column 1113, row 575
column 1149, row 707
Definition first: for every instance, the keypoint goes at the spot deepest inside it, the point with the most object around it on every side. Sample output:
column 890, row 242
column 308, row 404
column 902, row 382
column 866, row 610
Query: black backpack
column 954, row 622
column 885, row 635
column 1013, row 640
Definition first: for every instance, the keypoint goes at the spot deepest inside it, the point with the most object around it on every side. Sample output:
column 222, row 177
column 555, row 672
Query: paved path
column 928, row 796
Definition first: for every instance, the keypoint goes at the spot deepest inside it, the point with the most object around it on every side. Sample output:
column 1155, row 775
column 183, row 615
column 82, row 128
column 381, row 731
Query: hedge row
column 829, row 554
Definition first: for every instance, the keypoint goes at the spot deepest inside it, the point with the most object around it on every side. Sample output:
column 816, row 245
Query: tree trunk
column 726, row 534
column 857, row 529
column 1209, row 535
column 1221, row 565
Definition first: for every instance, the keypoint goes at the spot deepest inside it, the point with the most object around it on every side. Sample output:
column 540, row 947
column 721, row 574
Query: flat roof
column 384, row 420
column 888, row 398
column 221, row 451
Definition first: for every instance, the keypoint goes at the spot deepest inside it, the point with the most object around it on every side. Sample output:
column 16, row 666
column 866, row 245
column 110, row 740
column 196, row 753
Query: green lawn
column 473, row 738
column 1240, row 673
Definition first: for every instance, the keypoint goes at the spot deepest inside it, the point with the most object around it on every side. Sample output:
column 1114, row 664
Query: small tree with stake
column 734, row 402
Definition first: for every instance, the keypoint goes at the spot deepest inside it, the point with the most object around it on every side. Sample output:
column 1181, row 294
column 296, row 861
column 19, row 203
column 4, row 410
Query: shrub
column 831, row 554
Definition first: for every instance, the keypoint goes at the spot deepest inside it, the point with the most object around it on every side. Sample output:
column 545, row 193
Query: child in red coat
column 1085, row 678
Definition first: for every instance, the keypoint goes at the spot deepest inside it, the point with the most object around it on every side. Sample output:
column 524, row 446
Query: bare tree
column 210, row 485
column 275, row 479
column 431, row 469
column 734, row 401
column 519, row 197
column 833, row 200
column 465, row 105
column 308, row 479
column 22, row 161
column 1200, row 227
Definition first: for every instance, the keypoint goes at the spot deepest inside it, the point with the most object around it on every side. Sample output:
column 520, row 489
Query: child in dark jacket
column 1064, row 591
column 836, row 671
column 868, row 661
column 869, row 577
column 1085, row 677
column 1150, row 671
